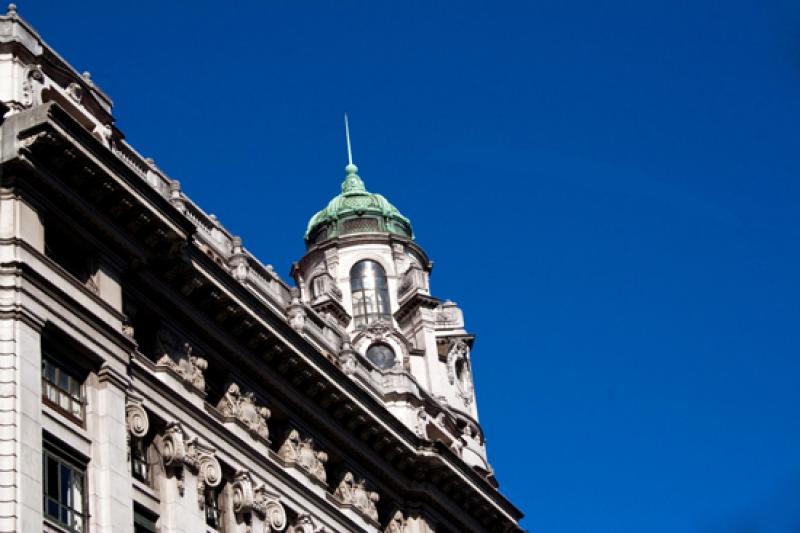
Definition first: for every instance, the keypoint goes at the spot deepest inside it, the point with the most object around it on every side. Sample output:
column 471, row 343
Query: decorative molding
column 296, row 312
column 136, row 418
column 397, row 524
column 249, row 499
column 354, row 493
column 347, row 359
column 180, row 453
column 461, row 377
column 187, row 366
column 242, row 407
column 305, row 524
column 301, row 453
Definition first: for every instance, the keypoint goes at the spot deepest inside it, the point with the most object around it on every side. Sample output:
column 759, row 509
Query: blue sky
column 608, row 189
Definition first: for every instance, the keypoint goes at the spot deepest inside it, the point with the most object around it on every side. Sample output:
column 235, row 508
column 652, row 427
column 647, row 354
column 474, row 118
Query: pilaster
column 110, row 492
column 20, row 426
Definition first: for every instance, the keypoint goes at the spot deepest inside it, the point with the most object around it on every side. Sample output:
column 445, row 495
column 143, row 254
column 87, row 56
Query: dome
column 356, row 210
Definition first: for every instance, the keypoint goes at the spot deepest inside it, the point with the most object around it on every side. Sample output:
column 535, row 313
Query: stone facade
column 156, row 376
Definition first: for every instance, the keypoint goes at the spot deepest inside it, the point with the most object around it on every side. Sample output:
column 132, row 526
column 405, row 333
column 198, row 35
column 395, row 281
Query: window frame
column 59, row 369
column 378, row 294
column 64, row 458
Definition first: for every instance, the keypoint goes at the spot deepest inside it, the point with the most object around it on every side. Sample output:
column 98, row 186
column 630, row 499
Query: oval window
column 381, row 355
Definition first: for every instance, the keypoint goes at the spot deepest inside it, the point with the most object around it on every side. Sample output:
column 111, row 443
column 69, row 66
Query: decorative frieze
column 180, row 453
column 249, row 499
column 242, row 407
column 354, row 493
column 301, row 453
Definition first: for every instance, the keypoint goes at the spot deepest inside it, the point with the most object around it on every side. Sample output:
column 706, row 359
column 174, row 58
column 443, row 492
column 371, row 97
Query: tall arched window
column 370, row 293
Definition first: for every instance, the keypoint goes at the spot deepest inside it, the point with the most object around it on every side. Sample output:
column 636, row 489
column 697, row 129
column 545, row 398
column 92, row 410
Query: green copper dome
column 356, row 211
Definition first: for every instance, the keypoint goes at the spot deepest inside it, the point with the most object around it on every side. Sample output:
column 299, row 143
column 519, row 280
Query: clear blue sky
column 609, row 190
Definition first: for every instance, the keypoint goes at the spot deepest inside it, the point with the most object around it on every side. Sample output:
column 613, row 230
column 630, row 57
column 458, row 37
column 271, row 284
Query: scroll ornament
column 180, row 453
column 301, row 452
column 249, row 498
column 355, row 493
column 242, row 407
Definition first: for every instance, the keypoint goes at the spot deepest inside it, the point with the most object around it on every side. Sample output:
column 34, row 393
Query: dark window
column 370, row 292
column 212, row 509
column 64, row 486
column 381, row 355
column 139, row 466
column 62, row 389
column 72, row 254
column 143, row 520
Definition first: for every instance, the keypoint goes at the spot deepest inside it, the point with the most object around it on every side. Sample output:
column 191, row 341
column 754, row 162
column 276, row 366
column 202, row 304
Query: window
column 143, row 520
column 381, row 355
column 370, row 292
column 139, row 467
column 64, row 490
column 62, row 389
column 212, row 509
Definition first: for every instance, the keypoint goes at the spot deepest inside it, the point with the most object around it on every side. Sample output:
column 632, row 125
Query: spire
column 352, row 182
column 347, row 137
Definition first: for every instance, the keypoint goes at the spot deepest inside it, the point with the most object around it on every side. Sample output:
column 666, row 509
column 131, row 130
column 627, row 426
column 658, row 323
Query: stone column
column 20, row 422
column 110, row 492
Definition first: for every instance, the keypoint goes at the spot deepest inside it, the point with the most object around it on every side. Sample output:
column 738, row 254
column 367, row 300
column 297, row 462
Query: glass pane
column 369, row 302
column 77, row 493
column 64, row 515
column 63, row 380
column 49, row 372
column 52, row 509
column 65, row 494
column 78, row 522
column 63, row 400
column 52, row 393
column 75, row 389
column 52, row 478
column 76, row 410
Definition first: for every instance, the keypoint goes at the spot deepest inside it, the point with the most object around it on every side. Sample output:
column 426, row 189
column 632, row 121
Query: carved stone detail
column 180, row 453
column 296, row 312
column 301, row 452
column 458, row 370
column 136, row 418
column 397, row 524
column 190, row 368
column 242, row 407
column 347, row 359
column 355, row 493
column 249, row 498
column 305, row 524
column 378, row 330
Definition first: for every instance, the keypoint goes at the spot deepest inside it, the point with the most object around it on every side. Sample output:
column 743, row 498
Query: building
column 155, row 376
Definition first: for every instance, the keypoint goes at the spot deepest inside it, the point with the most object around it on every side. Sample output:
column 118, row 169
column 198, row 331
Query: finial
column 350, row 168
column 12, row 10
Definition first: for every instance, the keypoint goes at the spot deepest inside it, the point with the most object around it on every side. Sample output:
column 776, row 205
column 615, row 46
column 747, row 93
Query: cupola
column 356, row 210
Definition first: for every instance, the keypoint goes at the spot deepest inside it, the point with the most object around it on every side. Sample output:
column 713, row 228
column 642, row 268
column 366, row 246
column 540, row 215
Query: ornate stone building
column 156, row 376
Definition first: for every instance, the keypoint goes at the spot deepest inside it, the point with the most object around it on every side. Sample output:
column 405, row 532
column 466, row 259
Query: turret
column 364, row 270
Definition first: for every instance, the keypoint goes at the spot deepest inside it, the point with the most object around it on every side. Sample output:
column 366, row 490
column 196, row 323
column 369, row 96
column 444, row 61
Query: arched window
column 370, row 293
